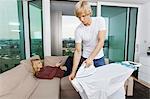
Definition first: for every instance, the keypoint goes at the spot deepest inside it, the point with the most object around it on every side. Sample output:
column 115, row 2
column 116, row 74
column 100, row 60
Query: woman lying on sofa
column 47, row 72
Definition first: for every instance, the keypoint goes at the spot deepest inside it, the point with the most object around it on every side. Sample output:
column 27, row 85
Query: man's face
column 37, row 65
column 84, row 19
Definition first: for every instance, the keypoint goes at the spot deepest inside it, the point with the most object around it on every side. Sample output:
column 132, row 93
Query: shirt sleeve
column 78, row 38
column 101, row 24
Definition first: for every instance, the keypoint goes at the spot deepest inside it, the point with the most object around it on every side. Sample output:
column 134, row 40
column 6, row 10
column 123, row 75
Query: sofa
column 19, row 82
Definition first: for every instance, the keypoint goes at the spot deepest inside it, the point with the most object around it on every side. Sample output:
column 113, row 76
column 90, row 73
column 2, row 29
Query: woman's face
column 85, row 19
column 37, row 65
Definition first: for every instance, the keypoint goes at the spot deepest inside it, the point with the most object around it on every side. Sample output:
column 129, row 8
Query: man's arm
column 76, row 60
column 99, row 46
column 77, row 56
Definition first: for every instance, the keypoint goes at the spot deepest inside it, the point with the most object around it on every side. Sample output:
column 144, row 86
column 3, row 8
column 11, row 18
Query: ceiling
column 118, row 1
column 67, row 6
column 127, row 1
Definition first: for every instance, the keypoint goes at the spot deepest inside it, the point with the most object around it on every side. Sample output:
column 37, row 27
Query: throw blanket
column 105, row 82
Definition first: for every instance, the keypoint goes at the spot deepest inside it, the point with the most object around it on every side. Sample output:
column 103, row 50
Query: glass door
column 116, row 32
column 121, row 36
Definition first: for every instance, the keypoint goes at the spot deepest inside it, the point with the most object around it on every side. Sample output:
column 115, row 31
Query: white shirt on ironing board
column 102, row 82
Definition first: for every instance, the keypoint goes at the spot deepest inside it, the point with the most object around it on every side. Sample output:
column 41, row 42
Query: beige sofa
column 19, row 83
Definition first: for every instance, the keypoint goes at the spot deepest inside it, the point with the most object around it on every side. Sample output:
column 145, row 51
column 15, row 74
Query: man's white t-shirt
column 88, row 36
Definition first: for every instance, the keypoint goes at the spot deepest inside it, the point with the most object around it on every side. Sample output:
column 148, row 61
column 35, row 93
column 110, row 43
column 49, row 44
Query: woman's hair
column 32, row 60
column 33, row 63
column 82, row 7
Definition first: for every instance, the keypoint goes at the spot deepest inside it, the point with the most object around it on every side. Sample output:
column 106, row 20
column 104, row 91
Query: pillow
column 28, row 64
column 11, row 78
column 26, row 87
column 52, row 60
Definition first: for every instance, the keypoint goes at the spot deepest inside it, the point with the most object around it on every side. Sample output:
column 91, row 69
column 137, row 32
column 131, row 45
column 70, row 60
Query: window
column 69, row 25
column 36, row 38
column 11, row 34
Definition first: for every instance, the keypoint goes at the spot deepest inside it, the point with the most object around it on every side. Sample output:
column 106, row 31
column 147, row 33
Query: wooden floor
column 140, row 92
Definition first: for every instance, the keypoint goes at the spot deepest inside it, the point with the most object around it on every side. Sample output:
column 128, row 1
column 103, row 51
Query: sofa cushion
column 52, row 60
column 28, row 63
column 9, row 96
column 66, row 84
column 47, row 89
column 26, row 87
column 11, row 79
column 23, row 90
column 67, row 90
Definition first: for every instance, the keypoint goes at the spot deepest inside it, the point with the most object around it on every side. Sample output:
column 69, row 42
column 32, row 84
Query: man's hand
column 88, row 62
column 72, row 76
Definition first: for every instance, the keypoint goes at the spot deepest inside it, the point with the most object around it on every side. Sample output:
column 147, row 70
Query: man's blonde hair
column 82, row 7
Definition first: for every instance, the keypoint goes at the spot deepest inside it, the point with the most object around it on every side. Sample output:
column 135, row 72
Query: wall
column 143, row 31
column 56, row 32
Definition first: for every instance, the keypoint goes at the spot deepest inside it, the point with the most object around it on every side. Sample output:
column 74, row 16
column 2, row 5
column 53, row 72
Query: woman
column 91, row 34
column 47, row 72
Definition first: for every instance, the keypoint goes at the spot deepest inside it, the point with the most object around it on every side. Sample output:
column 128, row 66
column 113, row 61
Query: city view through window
column 69, row 24
column 12, row 42
column 11, row 38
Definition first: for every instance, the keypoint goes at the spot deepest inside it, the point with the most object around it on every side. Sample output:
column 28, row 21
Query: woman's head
column 36, row 64
column 83, row 11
